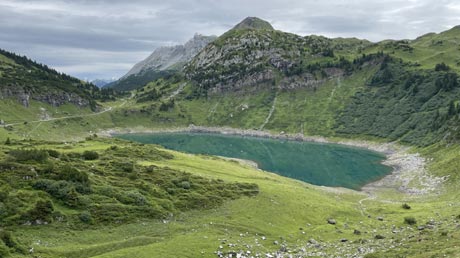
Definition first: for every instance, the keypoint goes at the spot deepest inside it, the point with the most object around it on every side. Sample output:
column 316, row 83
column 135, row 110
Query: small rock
column 275, row 242
column 312, row 241
column 356, row 232
column 283, row 249
column 331, row 221
column 343, row 240
column 380, row 218
column 379, row 237
column 421, row 227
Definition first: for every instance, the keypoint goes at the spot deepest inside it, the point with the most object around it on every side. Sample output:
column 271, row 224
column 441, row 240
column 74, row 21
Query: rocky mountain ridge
column 253, row 55
column 173, row 57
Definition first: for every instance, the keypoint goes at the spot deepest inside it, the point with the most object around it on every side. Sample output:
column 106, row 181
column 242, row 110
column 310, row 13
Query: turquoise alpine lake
column 315, row 163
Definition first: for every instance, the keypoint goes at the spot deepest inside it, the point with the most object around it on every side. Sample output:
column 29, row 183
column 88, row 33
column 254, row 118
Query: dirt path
column 61, row 118
column 272, row 109
column 179, row 90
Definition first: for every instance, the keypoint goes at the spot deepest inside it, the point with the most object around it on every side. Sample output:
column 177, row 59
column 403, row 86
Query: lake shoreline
column 409, row 175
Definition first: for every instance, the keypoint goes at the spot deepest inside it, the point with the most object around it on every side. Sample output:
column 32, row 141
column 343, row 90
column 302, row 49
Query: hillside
column 66, row 191
column 260, row 78
column 31, row 91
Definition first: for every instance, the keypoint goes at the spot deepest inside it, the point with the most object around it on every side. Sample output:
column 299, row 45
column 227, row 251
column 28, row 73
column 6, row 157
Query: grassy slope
column 194, row 231
column 282, row 210
column 282, row 207
column 427, row 51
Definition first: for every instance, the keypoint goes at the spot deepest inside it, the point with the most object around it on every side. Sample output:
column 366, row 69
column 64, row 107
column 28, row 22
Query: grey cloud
column 103, row 38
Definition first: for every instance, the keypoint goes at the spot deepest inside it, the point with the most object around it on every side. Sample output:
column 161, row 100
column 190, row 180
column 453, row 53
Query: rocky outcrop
column 55, row 97
column 164, row 58
column 253, row 55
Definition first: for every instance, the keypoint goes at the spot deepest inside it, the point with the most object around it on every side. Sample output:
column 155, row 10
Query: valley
column 69, row 188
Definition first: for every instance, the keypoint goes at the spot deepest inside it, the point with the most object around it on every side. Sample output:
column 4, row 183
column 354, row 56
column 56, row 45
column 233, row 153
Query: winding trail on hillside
column 62, row 118
column 108, row 109
column 338, row 85
column 179, row 90
column 272, row 109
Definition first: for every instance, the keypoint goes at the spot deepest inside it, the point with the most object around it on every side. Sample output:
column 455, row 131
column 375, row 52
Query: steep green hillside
column 267, row 79
column 28, row 82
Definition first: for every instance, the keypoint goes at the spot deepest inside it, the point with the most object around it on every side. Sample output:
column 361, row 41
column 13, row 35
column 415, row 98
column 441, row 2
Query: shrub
column 410, row 220
column 42, row 211
column 71, row 174
column 133, row 198
column 441, row 67
column 406, row 206
column 7, row 243
column 86, row 217
column 90, row 155
column 62, row 190
column 185, row 184
column 127, row 167
column 4, row 250
column 74, row 155
column 54, row 153
column 8, row 141
column 29, row 155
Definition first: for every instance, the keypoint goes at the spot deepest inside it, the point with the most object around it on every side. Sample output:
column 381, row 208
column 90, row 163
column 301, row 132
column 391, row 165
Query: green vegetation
column 109, row 198
column 137, row 81
column 413, row 106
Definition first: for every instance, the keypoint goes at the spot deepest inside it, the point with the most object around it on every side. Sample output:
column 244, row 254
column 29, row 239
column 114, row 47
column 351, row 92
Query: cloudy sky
column 105, row 38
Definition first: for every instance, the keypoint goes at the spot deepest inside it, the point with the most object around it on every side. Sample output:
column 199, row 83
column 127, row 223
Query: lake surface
column 315, row 163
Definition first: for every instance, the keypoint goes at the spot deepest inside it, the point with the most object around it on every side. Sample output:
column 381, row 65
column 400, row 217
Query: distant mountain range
column 102, row 82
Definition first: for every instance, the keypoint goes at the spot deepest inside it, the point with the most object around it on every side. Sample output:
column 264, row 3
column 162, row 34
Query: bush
column 8, row 242
column 185, row 184
column 54, row 153
column 406, row 206
column 127, row 167
column 441, row 67
column 410, row 220
column 4, row 250
column 86, row 217
column 133, row 198
column 90, row 155
column 71, row 174
column 41, row 212
column 29, row 155
column 62, row 190
column 8, row 141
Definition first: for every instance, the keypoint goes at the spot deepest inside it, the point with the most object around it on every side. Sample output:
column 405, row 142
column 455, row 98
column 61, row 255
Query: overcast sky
column 103, row 39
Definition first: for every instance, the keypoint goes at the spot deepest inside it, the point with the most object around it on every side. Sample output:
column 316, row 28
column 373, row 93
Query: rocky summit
column 253, row 23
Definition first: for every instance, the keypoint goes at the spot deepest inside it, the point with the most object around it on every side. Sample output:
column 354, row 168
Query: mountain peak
column 254, row 23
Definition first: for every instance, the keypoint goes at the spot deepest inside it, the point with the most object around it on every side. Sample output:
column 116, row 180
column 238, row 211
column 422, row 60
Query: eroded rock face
column 55, row 98
column 164, row 58
column 253, row 59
